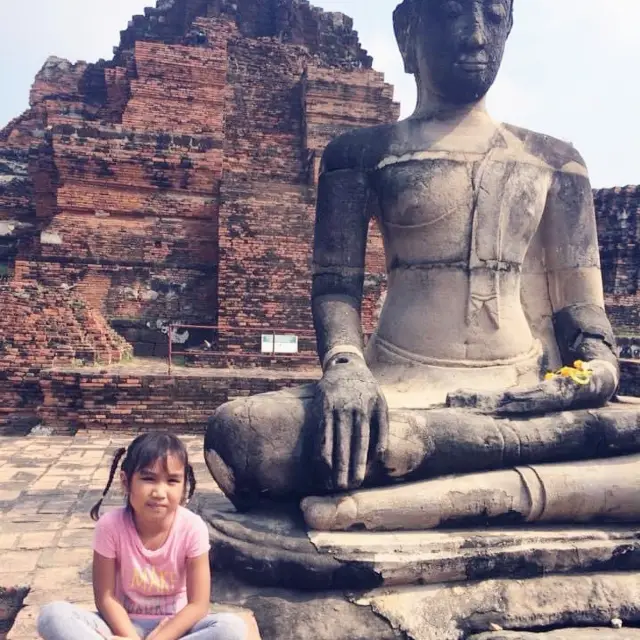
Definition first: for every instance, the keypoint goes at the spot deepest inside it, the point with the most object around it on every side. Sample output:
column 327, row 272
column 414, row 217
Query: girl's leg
column 64, row 621
column 219, row 626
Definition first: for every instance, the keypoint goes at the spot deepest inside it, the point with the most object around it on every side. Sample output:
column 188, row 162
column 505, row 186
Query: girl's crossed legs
column 64, row 621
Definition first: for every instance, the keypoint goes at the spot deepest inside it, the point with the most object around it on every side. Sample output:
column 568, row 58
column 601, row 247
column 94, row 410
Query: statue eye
column 497, row 12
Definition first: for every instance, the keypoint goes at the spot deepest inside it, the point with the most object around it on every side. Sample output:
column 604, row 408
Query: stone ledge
column 275, row 550
column 579, row 633
column 443, row 611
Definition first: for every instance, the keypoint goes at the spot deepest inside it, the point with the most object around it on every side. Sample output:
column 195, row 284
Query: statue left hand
column 558, row 393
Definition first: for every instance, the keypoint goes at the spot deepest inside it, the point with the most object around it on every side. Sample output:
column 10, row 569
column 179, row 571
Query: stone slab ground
column 47, row 486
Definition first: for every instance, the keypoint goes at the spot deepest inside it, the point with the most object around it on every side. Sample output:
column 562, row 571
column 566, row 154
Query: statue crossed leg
column 262, row 447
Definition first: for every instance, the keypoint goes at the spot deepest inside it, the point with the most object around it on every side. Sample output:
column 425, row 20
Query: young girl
column 151, row 576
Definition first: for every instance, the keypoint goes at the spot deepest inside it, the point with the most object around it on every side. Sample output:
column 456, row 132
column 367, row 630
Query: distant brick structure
column 618, row 213
column 176, row 182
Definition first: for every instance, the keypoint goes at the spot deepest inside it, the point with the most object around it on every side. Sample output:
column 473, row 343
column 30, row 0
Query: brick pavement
column 47, row 486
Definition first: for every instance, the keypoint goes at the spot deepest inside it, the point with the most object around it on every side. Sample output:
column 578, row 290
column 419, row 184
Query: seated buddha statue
column 448, row 414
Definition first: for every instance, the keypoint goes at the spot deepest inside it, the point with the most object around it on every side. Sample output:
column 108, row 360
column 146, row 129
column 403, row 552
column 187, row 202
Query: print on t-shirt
column 159, row 606
column 152, row 581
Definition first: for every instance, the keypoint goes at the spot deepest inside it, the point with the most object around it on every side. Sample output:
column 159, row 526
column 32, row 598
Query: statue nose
column 475, row 36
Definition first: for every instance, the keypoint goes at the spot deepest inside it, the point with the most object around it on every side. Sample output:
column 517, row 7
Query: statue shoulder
column 359, row 149
column 558, row 154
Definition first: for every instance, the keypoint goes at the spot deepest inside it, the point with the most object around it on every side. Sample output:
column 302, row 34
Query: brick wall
column 40, row 328
column 618, row 214
column 630, row 378
column 106, row 402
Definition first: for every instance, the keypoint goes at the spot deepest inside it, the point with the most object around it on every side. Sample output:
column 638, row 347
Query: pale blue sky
column 571, row 68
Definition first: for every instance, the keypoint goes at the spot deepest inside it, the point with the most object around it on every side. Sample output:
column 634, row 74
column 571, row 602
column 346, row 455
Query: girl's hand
column 123, row 638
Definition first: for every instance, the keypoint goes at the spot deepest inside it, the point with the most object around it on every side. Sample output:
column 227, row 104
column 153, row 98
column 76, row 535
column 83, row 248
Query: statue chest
column 436, row 209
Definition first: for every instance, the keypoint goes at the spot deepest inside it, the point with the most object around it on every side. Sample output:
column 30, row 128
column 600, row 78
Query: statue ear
column 403, row 26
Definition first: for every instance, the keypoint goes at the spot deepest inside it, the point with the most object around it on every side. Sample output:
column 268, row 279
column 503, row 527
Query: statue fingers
column 547, row 396
column 604, row 380
column 382, row 420
column 342, row 432
column 361, row 440
column 326, row 439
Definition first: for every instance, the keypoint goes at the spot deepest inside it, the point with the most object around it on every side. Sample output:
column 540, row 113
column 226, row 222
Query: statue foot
column 330, row 514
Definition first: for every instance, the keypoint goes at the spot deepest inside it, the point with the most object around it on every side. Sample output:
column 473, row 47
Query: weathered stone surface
column 331, row 616
column 453, row 612
column 599, row 633
column 440, row 612
column 291, row 615
column 273, row 549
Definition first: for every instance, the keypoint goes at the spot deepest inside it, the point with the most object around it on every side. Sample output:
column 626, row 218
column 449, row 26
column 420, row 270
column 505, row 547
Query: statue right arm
column 349, row 402
column 338, row 261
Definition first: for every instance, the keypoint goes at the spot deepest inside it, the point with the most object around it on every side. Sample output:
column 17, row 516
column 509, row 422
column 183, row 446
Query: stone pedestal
column 597, row 633
column 433, row 585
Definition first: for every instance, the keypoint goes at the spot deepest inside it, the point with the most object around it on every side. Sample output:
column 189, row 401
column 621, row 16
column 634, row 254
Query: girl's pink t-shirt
column 151, row 584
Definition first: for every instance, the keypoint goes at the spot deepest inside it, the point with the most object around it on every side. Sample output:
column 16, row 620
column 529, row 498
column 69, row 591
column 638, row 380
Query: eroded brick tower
column 176, row 182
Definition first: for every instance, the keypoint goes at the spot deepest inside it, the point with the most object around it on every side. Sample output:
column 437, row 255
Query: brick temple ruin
column 176, row 183
column 618, row 216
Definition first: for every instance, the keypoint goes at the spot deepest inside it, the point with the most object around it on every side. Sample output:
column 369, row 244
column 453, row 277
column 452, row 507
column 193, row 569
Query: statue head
column 455, row 47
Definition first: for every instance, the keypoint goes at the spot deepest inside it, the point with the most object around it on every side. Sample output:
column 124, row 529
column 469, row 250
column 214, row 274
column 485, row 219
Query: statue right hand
column 353, row 412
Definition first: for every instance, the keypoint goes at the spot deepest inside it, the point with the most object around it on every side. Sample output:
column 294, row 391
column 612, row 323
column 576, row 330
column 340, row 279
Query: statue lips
column 473, row 64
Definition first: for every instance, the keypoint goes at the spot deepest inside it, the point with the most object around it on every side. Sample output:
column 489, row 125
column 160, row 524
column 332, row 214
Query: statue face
column 458, row 45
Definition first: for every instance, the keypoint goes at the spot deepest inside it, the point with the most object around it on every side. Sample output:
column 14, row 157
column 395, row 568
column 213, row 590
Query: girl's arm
column 198, row 596
column 104, row 583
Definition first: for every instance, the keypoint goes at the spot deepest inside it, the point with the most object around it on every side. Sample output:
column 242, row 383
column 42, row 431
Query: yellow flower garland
column 579, row 373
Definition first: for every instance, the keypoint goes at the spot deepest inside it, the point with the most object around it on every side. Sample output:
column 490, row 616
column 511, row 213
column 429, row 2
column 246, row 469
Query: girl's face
column 156, row 492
